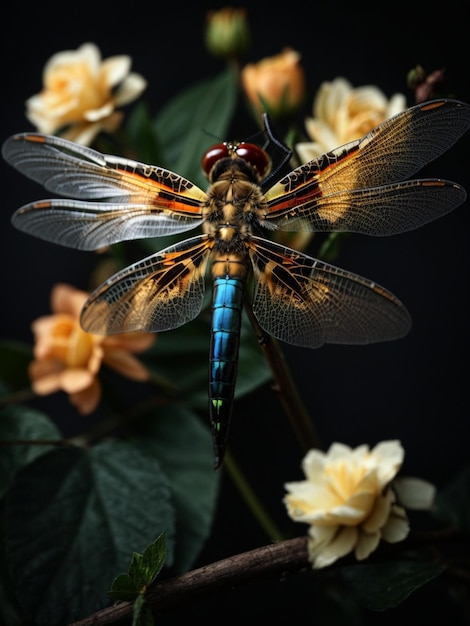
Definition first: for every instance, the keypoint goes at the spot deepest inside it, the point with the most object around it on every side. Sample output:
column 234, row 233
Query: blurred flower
column 275, row 84
column 227, row 33
column 342, row 113
column 67, row 358
column 349, row 501
column 81, row 92
column 426, row 86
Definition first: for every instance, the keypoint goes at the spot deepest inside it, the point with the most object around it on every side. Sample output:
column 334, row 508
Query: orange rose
column 66, row 358
column 275, row 84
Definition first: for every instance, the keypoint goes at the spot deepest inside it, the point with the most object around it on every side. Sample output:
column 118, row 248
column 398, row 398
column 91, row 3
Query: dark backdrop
column 414, row 389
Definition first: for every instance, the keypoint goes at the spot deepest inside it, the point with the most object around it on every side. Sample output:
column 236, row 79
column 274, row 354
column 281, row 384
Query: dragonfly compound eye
column 212, row 155
column 256, row 157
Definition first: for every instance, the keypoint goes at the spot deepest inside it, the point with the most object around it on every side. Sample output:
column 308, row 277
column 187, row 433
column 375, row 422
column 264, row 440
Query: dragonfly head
column 255, row 157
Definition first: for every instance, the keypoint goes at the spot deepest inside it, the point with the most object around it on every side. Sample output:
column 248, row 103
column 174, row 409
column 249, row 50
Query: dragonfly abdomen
column 228, row 293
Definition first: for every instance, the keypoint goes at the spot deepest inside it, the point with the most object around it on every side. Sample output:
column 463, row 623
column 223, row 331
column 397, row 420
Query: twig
column 262, row 563
column 275, row 560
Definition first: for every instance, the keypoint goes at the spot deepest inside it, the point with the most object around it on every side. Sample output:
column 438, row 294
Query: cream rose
column 349, row 502
column 342, row 113
column 81, row 93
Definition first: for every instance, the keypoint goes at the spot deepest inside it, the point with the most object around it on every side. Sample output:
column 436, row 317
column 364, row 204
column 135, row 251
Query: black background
column 414, row 389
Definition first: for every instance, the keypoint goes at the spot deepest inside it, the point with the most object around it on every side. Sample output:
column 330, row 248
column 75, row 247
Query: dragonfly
column 364, row 186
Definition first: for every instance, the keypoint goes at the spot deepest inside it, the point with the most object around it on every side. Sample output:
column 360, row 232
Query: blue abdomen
column 225, row 339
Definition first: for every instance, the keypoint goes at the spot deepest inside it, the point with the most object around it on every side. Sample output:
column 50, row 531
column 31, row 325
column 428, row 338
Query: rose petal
column 87, row 401
column 130, row 89
column 308, row 151
column 340, row 544
column 415, row 493
column 389, row 455
column 45, row 382
column 132, row 342
column 397, row 526
column 380, row 513
column 126, row 364
column 321, row 134
column 367, row 543
column 95, row 115
column 74, row 380
column 115, row 69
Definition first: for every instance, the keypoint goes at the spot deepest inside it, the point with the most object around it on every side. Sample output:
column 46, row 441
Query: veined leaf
column 143, row 570
column 382, row 586
column 73, row 517
column 142, row 134
column 191, row 121
column 183, row 445
column 20, row 423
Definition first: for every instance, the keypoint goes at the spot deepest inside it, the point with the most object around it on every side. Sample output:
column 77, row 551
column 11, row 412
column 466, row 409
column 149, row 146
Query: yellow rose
column 342, row 114
column 349, row 500
column 81, row 93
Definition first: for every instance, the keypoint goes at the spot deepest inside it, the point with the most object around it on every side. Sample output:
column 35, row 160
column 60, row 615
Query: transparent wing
column 305, row 302
column 359, row 187
column 158, row 293
column 132, row 199
column 92, row 225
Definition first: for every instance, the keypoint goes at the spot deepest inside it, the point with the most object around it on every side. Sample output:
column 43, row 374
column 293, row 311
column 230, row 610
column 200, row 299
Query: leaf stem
column 17, row 397
column 250, row 498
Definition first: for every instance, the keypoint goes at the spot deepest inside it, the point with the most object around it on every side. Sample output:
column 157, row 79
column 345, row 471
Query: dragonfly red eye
column 249, row 152
column 255, row 156
column 212, row 155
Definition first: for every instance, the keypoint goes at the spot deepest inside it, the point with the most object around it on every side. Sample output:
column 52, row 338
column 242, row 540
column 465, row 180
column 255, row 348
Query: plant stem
column 286, row 388
column 250, row 498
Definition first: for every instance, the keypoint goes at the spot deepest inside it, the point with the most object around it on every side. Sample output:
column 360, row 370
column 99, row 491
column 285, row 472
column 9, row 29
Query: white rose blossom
column 81, row 93
column 349, row 501
column 342, row 113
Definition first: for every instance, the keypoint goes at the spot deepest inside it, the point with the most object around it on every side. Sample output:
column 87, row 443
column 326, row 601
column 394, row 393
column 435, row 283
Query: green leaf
column 183, row 446
column 452, row 502
column 73, row 517
column 20, row 423
column 382, row 586
column 124, row 588
column 143, row 570
column 14, row 360
column 189, row 123
column 142, row 135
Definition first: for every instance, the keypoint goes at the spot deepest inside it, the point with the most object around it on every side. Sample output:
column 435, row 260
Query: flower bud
column 227, row 33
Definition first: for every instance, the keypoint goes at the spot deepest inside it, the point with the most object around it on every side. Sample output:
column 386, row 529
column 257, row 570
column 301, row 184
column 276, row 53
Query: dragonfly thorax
column 234, row 205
